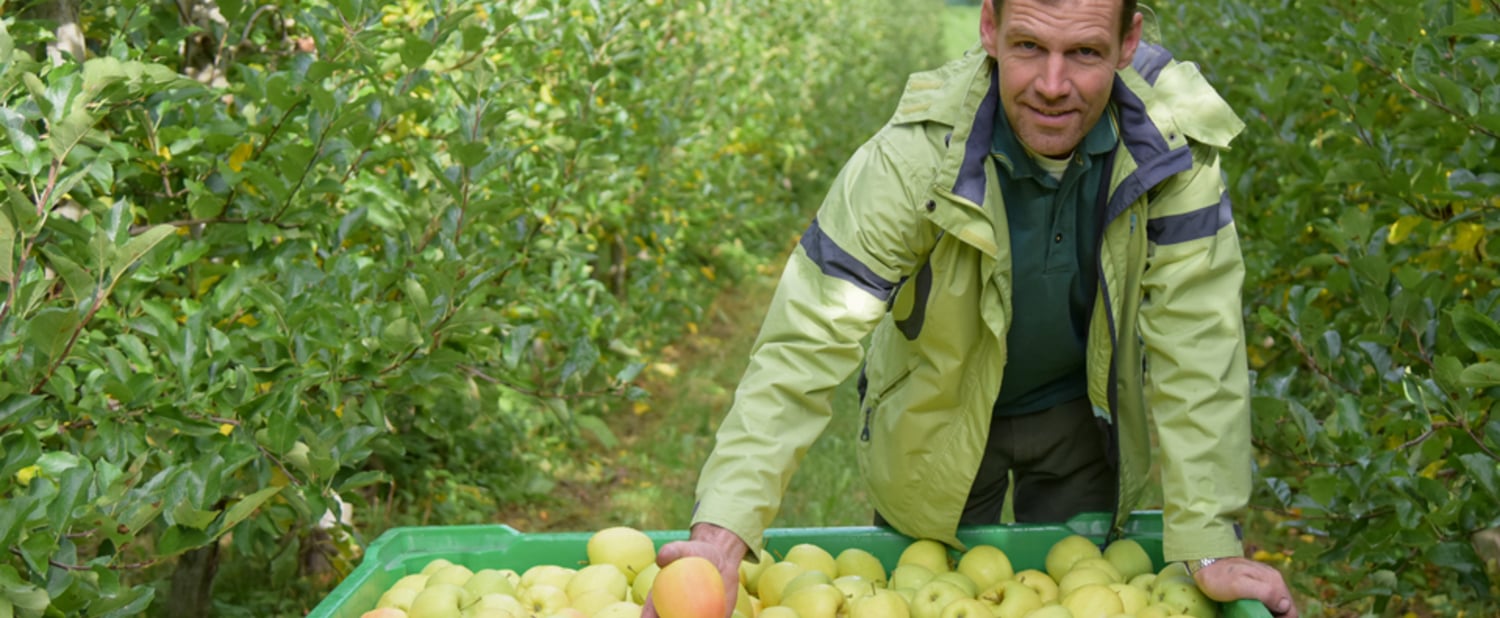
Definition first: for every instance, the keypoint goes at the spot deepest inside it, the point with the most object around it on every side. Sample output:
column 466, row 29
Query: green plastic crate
column 403, row 551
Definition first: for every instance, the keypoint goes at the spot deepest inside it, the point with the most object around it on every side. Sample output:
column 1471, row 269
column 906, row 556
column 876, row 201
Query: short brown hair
column 1127, row 15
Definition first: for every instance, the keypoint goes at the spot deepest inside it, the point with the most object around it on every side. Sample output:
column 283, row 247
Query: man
column 1041, row 242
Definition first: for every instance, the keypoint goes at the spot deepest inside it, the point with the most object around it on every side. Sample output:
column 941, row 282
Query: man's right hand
column 717, row 545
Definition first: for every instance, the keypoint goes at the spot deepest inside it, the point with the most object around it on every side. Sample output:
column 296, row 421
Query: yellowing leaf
column 1467, row 237
column 708, row 272
column 1430, row 472
column 640, row 407
column 339, row 411
column 546, row 95
column 226, row 429
column 248, row 320
column 1402, row 228
column 240, row 155
column 164, row 153
column 24, row 475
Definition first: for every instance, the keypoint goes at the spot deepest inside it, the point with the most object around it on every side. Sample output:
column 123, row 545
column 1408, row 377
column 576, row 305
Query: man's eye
column 1089, row 51
column 1026, row 45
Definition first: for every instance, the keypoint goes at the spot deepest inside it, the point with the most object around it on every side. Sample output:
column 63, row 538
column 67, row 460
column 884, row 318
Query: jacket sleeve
column 1198, row 384
column 833, row 291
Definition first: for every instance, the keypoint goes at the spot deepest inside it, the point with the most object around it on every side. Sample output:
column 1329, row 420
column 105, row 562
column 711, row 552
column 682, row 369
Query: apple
column 1128, row 557
column 803, row 580
column 1078, row 578
column 415, row 581
column 815, row 601
column 542, row 600
column 604, row 576
column 642, row 584
column 933, row 597
column 1043, row 584
column 628, row 549
column 1092, row 601
column 437, row 601
column 487, row 613
column 384, row 612
column 1010, row 599
column 1132, row 599
column 986, row 565
column 1071, row 549
column 856, row 561
column 1101, row 564
column 813, row 558
column 1144, row 581
column 774, row 578
column 911, row 576
column 547, row 575
column 777, row 611
column 854, row 586
column 619, row 609
column 690, row 587
column 455, row 574
column 1050, row 611
column 591, row 601
column 1182, row 597
column 1153, row 611
column 750, row 571
column 970, row 588
column 928, row 553
column 436, row 565
column 967, row 608
column 397, row 598
column 568, row 612
column 498, row 602
column 486, row 581
column 882, row 603
column 742, row 601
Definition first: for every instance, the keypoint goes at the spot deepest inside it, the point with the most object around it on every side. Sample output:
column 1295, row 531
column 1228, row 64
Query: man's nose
column 1053, row 81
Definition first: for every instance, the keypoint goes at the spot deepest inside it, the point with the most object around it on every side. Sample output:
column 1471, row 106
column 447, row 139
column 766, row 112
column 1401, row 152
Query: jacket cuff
column 1220, row 541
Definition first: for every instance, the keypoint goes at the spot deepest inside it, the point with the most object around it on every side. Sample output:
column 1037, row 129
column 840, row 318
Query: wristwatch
column 1193, row 566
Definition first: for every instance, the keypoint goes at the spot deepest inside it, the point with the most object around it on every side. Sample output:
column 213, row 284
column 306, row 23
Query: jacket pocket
column 868, row 403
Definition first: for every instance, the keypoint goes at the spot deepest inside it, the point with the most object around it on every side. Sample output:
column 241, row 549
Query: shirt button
column 1057, row 239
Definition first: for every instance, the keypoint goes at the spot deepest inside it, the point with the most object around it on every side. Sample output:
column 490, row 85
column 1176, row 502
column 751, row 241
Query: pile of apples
column 1079, row 581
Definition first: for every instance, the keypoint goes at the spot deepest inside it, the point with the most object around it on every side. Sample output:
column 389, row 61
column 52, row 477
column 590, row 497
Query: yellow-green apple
column 986, row 565
column 1129, row 558
column 1153, row 611
column 498, row 601
column 415, row 581
column 541, row 600
column 856, row 561
column 970, row 588
column 1182, row 597
column 399, row 598
column 882, row 603
column 966, row 608
column 486, row 581
column 910, row 576
column 775, row 578
column 1078, row 578
column 591, row 601
column 642, row 584
column 437, row 601
column 1051, row 610
column 455, row 574
column 854, row 586
column 1144, row 581
column 1010, row 599
column 813, row 558
column 1092, row 601
column 619, row 609
column 933, row 597
column 630, row 550
column 435, row 565
column 603, row 576
column 742, row 601
column 1101, row 565
column 1132, row 599
column 547, row 575
column 928, row 553
column 815, row 601
column 384, row 612
column 1071, row 549
column 750, row 571
column 777, row 611
column 803, row 580
column 1043, row 584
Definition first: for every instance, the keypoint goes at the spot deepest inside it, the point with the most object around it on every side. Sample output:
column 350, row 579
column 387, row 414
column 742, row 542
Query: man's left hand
column 1231, row 579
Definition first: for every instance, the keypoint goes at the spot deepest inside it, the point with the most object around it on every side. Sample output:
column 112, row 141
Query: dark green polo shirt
column 1054, row 263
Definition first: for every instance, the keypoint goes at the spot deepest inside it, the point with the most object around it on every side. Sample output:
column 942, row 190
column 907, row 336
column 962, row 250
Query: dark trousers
column 1059, row 461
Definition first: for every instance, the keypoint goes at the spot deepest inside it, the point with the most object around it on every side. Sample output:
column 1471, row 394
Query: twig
column 1458, row 116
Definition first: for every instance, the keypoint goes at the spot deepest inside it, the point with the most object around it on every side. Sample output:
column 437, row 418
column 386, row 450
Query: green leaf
column 1448, row 371
column 50, row 329
column 1472, row 27
column 599, row 429
column 100, row 72
column 78, row 282
column 137, row 248
column 415, row 51
column 7, row 246
column 244, row 508
column 129, row 602
column 1484, row 470
column 185, row 514
column 1481, row 375
column 178, row 539
column 21, row 134
column 69, row 131
column 1478, row 331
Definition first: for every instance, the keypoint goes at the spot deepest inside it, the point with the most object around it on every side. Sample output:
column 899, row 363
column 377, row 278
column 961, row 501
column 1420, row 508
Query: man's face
column 1057, row 65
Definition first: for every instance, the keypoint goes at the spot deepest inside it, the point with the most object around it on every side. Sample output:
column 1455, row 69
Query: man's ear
column 1132, row 41
column 989, row 29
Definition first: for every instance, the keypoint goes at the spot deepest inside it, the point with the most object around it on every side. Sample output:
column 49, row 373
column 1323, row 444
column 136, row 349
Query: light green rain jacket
column 912, row 242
